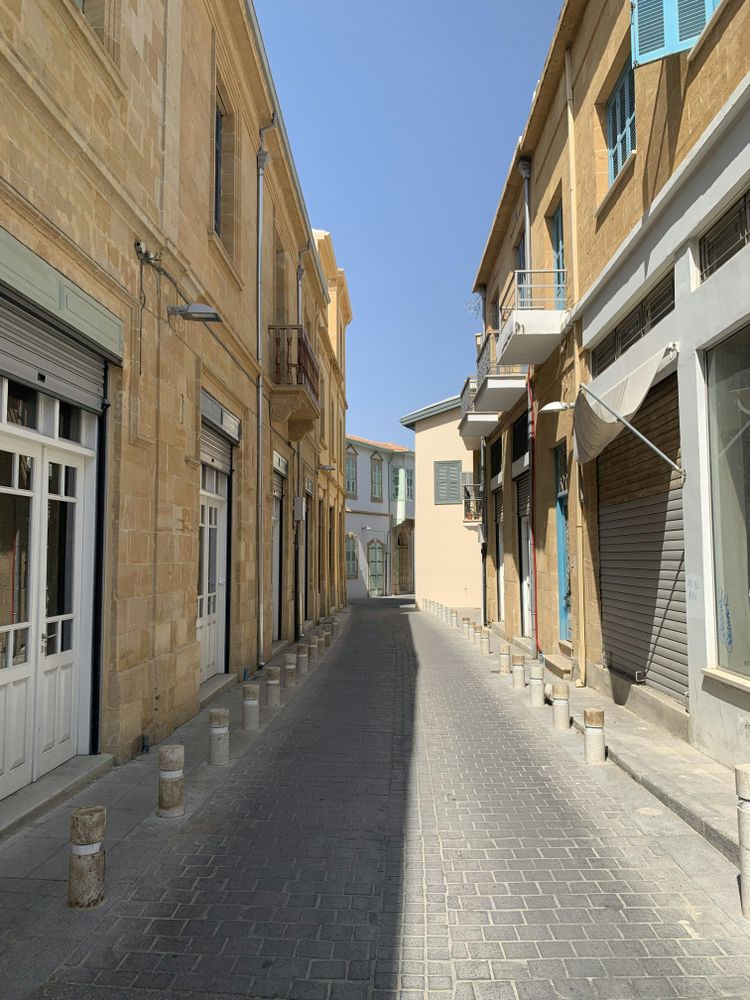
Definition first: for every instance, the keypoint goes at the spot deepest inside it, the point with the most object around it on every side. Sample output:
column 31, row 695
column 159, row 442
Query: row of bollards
column 86, row 864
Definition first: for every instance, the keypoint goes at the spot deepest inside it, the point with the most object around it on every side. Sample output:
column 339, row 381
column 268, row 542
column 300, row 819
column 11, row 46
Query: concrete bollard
column 86, row 860
column 536, row 685
column 335, row 629
column 303, row 663
column 505, row 659
column 273, row 687
column 561, row 706
column 477, row 634
column 593, row 736
column 742, row 782
column 250, row 708
column 290, row 670
column 312, row 650
column 454, row 619
column 218, row 736
column 171, row 781
column 484, row 642
column 519, row 671
column 465, row 627
column 326, row 636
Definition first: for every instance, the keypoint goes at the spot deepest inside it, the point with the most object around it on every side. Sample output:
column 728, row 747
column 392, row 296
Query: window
column 447, row 482
column 558, row 255
column 223, row 194
column 351, row 475
column 397, row 485
column 376, row 479
column 636, row 324
column 621, row 121
column 662, row 27
column 520, row 435
column 322, row 397
column 410, row 484
column 726, row 237
column 22, row 405
column 352, row 569
column 729, row 446
column 69, row 422
column 496, row 458
column 95, row 12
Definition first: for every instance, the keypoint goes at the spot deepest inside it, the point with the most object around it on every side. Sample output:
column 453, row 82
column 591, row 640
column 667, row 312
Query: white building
column 379, row 518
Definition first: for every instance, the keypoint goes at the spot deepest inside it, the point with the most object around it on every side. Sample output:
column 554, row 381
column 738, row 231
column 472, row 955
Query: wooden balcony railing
column 294, row 361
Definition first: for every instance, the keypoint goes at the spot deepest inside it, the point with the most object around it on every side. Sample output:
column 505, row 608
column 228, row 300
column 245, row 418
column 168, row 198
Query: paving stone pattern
column 405, row 827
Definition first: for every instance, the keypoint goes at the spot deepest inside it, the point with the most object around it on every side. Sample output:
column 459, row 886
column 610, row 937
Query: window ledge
column 86, row 34
column 693, row 53
column 217, row 243
column 617, row 183
column 727, row 677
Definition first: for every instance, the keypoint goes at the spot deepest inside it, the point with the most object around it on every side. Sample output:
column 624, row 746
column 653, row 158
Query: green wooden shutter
column 447, row 482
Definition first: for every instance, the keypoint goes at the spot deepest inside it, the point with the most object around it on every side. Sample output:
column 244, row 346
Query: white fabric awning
column 593, row 427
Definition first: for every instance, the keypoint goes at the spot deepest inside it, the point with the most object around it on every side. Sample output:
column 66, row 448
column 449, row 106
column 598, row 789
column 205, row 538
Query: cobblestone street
column 404, row 827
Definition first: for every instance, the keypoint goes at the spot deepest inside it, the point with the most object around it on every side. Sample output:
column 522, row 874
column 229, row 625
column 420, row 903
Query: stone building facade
column 194, row 504
column 613, row 263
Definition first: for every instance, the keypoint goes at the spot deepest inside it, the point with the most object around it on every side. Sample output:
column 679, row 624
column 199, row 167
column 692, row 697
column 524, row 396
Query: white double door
column 212, row 567
column 43, row 530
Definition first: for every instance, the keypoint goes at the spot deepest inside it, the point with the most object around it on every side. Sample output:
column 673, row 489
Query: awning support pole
column 642, row 437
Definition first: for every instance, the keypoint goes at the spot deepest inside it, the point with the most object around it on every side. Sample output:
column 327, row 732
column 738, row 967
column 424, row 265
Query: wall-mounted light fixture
column 195, row 312
column 326, row 468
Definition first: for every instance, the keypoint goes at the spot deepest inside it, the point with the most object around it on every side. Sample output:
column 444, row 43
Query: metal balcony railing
column 487, row 363
column 473, row 503
column 468, row 393
column 294, row 361
column 545, row 289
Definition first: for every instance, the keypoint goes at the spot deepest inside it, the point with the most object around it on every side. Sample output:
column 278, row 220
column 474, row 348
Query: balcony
column 296, row 376
column 499, row 386
column 474, row 425
column 531, row 314
column 473, row 504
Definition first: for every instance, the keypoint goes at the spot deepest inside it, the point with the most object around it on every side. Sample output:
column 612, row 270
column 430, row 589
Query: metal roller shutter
column 40, row 355
column 523, row 495
column 498, row 506
column 278, row 484
column 216, row 450
column 642, row 550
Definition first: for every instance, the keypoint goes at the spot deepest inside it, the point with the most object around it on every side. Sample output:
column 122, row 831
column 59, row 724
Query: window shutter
column 447, row 482
column 662, row 27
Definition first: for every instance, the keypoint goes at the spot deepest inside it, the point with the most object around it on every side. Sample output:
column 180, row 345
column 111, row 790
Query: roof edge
column 431, row 410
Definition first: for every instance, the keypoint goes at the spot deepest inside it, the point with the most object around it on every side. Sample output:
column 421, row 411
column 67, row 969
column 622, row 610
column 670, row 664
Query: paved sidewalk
column 404, row 827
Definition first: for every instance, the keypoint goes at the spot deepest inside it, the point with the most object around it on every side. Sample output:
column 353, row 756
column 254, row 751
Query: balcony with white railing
column 474, row 424
column 531, row 316
column 499, row 386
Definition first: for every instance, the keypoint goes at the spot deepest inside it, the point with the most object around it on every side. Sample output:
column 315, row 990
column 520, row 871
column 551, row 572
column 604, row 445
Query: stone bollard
column 86, row 860
column 454, row 619
column 273, row 687
column 250, row 707
column 171, row 781
column 505, row 659
column 335, row 628
column 326, row 636
column 742, row 782
column 519, row 671
column 218, row 736
column 484, row 642
column 312, row 649
column 536, row 685
column 593, row 736
column 561, row 706
column 290, row 670
column 477, row 634
column 303, row 663
column 465, row 627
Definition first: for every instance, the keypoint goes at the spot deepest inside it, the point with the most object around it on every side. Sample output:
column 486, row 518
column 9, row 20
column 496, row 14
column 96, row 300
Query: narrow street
column 403, row 827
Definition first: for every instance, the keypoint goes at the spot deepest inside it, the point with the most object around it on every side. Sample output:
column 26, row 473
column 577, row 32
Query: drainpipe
column 298, row 590
column 259, row 513
column 532, row 505
column 524, row 167
column 577, row 470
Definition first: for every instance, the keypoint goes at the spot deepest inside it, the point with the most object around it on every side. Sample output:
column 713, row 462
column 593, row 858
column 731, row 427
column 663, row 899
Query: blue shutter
column 663, row 27
column 621, row 131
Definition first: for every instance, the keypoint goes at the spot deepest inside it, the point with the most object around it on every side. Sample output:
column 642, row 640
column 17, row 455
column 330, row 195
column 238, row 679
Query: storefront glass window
column 729, row 424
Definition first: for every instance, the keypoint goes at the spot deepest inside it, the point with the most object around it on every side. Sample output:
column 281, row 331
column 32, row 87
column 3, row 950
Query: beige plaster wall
column 448, row 564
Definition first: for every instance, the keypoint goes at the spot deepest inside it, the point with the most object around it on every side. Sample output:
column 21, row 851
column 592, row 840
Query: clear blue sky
column 403, row 116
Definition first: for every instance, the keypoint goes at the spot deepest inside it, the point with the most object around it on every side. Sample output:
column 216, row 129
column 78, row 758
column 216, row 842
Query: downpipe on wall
column 299, row 589
column 262, row 158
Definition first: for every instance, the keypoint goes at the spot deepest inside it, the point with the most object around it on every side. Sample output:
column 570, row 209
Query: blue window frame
column 558, row 256
column 621, row 121
column 662, row 27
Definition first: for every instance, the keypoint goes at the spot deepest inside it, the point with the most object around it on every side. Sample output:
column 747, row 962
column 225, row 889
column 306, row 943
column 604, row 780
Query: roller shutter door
column 642, row 550
column 523, row 495
column 44, row 357
column 216, row 450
